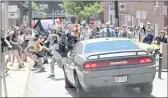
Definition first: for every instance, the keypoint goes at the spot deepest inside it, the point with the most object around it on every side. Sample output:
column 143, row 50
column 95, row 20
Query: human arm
column 11, row 40
column 143, row 38
column 48, row 39
column 8, row 43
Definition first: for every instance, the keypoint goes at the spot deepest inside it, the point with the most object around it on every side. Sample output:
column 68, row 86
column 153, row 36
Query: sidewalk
column 16, row 81
column 160, row 85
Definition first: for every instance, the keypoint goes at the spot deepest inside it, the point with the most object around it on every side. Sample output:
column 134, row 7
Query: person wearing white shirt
column 56, row 56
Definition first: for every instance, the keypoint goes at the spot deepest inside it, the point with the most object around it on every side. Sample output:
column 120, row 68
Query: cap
column 161, row 31
column 148, row 22
column 108, row 23
column 124, row 25
column 165, row 28
column 2, row 29
column 116, row 28
column 148, row 29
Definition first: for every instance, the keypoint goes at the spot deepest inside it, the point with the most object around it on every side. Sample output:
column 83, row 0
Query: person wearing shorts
column 55, row 55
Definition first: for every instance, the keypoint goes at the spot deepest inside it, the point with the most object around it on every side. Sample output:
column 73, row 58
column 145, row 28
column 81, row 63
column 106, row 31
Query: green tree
column 37, row 10
column 82, row 9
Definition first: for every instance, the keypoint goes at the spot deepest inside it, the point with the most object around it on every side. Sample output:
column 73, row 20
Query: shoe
column 35, row 64
column 21, row 66
column 6, row 73
column 45, row 62
column 42, row 70
column 51, row 76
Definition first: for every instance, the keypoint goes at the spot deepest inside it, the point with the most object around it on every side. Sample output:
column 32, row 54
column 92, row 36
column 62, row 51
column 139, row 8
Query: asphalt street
column 40, row 86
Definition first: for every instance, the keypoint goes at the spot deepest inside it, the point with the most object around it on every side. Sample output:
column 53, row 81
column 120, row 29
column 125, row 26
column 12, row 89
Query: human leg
column 53, row 61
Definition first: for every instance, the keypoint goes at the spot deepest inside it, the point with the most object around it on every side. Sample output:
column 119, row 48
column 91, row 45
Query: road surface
column 40, row 86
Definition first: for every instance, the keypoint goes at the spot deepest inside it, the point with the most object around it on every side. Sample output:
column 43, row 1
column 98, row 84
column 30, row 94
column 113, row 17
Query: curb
column 162, row 70
column 27, row 81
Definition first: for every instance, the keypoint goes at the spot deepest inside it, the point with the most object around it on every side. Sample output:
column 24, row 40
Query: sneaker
column 21, row 66
column 35, row 64
column 42, row 70
column 45, row 62
column 51, row 76
column 6, row 73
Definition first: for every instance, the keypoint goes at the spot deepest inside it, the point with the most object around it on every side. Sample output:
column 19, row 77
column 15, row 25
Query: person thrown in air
column 148, row 38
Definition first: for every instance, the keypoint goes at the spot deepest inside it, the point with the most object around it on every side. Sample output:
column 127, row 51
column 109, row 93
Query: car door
column 70, row 63
column 74, row 65
column 66, row 68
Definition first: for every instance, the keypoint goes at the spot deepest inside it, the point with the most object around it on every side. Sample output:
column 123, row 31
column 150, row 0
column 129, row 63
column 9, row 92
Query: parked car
column 100, row 64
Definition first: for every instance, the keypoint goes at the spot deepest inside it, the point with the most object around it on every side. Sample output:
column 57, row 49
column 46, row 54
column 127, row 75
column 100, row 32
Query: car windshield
column 109, row 46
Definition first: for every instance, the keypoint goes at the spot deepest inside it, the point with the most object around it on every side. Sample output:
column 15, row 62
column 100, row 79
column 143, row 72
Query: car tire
column 67, row 84
column 79, row 90
column 146, row 88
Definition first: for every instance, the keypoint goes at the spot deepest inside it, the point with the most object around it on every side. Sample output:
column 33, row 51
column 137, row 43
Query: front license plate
column 121, row 79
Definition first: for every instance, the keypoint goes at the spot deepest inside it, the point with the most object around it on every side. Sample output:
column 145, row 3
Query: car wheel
column 146, row 88
column 67, row 84
column 79, row 89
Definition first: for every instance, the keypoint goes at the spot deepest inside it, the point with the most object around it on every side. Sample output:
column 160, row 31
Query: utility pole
column 116, row 13
column 1, row 7
column 2, row 54
column 0, row 49
column 111, row 12
column 30, row 13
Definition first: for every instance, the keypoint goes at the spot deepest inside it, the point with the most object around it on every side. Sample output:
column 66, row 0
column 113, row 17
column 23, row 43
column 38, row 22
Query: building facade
column 136, row 13
column 11, row 14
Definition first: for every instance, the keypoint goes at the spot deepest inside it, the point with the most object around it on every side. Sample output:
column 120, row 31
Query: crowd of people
column 22, row 42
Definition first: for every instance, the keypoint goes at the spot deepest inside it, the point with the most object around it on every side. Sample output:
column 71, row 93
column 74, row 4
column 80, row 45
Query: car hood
column 145, row 46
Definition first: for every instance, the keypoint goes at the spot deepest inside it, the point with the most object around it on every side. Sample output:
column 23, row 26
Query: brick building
column 151, row 11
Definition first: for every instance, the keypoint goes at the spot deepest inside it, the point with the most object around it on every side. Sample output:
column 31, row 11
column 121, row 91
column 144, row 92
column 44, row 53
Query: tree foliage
column 82, row 9
column 37, row 10
column 35, row 7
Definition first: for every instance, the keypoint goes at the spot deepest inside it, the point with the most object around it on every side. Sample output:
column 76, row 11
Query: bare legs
column 17, row 56
column 52, row 65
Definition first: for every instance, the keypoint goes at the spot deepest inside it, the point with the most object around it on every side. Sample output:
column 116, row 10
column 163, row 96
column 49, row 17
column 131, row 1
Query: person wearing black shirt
column 4, row 46
column 161, row 38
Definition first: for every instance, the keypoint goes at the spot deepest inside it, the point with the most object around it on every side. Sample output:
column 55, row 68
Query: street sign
column 112, row 12
column 165, row 10
column 12, row 8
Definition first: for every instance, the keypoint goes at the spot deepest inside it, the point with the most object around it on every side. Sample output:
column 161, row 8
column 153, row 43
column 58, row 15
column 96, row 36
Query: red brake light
column 145, row 60
column 90, row 65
